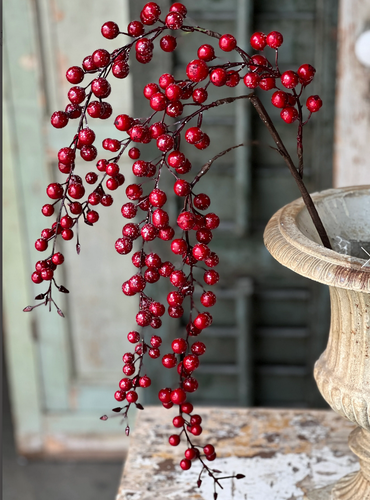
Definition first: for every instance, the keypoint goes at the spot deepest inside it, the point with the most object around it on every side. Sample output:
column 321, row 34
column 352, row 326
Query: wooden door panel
column 21, row 359
column 95, row 304
column 70, row 378
column 207, row 8
column 285, row 7
column 280, row 345
column 282, row 302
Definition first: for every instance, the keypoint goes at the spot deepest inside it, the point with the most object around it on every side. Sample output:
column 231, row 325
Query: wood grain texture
column 352, row 121
column 20, row 351
column 40, row 349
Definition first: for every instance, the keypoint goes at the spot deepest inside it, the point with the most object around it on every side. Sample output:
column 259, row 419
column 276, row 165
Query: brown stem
column 282, row 150
column 208, row 165
column 300, row 150
column 191, row 29
column 299, row 136
column 288, row 160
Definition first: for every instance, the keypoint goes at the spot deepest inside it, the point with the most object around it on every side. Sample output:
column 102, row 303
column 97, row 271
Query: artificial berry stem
column 196, row 222
column 293, row 170
column 209, row 163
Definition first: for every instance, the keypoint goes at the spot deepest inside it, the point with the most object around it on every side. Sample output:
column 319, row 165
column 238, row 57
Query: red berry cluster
column 263, row 76
column 193, row 426
column 156, row 224
column 169, row 98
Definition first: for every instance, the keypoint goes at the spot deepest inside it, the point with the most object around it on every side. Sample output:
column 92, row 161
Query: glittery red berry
column 151, row 11
column 289, row 79
column 169, row 361
column 197, row 70
column 267, row 83
column 232, row 78
column 206, row 52
column 279, row 99
column 208, row 299
column 218, row 77
column 193, row 135
column 211, row 277
column 289, row 115
column 75, row 75
column 123, row 246
column 158, row 101
column 179, row 7
column 251, row 80
column 306, row 73
column 274, row 39
column 110, row 30
column 227, row 43
column 135, row 28
column 182, row 187
column 191, row 362
column 258, row 40
column 59, row 119
column 179, row 346
column 165, row 142
column 178, row 396
column 313, row 103
column 168, row 43
column 174, row 20
column 101, row 58
column 200, row 95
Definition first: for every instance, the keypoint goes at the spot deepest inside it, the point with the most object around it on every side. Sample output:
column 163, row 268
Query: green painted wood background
column 72, row 365
column 285, row 318
column 270, row 325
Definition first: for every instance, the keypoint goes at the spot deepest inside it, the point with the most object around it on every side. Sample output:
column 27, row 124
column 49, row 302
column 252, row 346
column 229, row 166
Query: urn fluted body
column 342, row 372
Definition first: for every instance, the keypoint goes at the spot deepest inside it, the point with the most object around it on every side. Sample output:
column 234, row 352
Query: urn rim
column 288, row 244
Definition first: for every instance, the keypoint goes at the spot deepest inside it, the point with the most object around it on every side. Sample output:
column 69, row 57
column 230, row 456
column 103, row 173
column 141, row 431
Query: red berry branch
column 185, row 100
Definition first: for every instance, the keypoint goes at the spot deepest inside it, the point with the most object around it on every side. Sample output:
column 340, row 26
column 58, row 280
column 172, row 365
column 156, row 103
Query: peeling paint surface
column 283, row 454
column 281, row 477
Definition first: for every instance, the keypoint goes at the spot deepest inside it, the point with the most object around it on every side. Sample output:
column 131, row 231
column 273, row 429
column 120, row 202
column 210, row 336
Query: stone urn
column 342, row 372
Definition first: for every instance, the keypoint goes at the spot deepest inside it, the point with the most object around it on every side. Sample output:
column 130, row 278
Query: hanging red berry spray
column 78, row 199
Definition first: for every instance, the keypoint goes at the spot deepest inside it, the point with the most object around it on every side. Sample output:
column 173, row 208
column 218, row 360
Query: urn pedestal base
column 320, row 494
column 351, row 487
column 354, row 486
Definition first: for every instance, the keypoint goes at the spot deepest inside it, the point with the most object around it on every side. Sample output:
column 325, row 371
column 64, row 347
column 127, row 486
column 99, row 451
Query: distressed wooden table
column 283, row 454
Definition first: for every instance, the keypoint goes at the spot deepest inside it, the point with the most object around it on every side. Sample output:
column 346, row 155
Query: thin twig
column 299, row 135
column 293, row 170
column 208, row 165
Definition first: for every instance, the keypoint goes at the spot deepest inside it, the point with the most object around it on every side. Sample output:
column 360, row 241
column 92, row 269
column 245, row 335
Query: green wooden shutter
column 71, row 367
column 285, row 317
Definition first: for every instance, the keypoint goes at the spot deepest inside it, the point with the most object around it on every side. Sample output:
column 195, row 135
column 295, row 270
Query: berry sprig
column 185, row 100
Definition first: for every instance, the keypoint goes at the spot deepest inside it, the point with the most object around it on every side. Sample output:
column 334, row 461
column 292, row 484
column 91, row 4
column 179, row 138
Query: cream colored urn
column 342, row 372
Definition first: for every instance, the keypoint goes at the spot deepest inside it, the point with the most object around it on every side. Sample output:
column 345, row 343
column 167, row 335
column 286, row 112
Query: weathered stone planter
column 343, row 371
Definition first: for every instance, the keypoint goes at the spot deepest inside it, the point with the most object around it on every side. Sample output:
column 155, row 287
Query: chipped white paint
column 283, row 454
column 313, row 433
column 277, row 478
